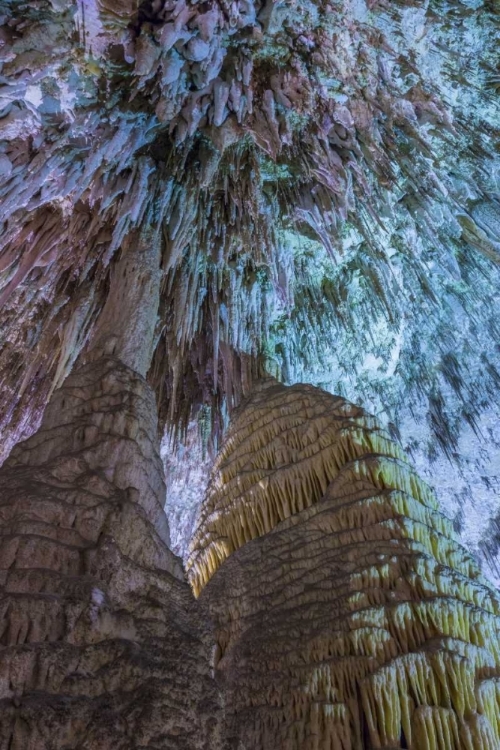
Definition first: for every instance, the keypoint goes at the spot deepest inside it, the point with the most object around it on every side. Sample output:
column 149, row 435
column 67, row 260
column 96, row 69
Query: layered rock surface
column 200, row 189
column 346, row 614
column 101, row 643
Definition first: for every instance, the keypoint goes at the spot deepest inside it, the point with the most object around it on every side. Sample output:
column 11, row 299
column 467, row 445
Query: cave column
column 126, row 326
column 101, row 642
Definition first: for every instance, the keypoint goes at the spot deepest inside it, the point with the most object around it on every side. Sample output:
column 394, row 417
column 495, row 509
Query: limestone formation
column 195, row 196
column 321, row 178
column 347, row 616
column 101, row 644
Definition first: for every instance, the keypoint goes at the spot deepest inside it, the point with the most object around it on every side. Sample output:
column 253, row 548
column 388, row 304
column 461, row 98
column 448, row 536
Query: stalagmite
column 101, row 645
column 346, row 614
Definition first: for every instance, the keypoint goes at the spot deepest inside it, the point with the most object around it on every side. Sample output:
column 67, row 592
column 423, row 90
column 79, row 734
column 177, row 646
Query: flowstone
column 346, row 614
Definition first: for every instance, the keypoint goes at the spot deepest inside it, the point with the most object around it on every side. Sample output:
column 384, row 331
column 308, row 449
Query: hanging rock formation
column 101, row 644
column 324, row 175
column 347, row 616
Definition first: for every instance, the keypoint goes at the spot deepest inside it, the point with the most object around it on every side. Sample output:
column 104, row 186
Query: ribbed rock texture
column 346, row 615
column 101, row 644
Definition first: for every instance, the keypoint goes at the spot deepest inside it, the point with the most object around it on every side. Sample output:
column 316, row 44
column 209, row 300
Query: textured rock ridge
column 347, row 616
column 490, row 545
column 101, row 645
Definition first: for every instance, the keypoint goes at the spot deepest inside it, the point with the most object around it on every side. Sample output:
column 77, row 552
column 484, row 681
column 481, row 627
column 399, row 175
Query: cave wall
column 323, row 175
column 205, row 191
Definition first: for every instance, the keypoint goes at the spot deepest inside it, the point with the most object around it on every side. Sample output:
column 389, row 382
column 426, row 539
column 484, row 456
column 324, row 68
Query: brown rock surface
column 101, row 643
column 347, row 617
column 344, row 614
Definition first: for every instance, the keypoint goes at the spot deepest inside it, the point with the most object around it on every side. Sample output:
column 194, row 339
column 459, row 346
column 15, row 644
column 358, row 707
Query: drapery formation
column 101, row 644
column 346, row 615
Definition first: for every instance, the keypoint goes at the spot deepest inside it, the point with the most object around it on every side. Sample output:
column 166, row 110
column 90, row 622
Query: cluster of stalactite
column 101, row 645
column 239, row 133
column 346, row 614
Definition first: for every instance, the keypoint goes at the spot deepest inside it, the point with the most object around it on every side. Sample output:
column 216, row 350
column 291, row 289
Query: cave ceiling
column 323, row 178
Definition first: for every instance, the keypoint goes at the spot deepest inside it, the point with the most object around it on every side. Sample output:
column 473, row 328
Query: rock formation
column 324, row 179
column 336, row 609
column 195, row 196
column 346, row 614
column 102, row 646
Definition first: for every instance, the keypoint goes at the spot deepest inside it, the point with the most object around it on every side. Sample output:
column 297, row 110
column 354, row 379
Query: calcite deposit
column 200, row 202
column 102, row 646
column 346, row 614
column 321, row 178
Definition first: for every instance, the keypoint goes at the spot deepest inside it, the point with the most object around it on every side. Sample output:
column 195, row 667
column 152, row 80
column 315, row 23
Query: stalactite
column 346, row 614
column 219, row 190
column 251, row 131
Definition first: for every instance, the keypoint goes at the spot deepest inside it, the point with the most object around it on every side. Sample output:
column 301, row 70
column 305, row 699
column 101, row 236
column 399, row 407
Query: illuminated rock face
column 206, row 191
column 346, row 615
column 101, row 644
column 321, row 179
